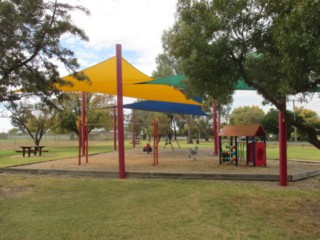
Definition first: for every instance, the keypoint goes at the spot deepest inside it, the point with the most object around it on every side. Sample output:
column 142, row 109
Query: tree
column 30, row 47
column 34, row 119
column 166, row 66
column 144, row 123
column 246, row 115
column 271, row 44
column 204, row 126
column 69, row 107
column 270, row 123
column 309, row 116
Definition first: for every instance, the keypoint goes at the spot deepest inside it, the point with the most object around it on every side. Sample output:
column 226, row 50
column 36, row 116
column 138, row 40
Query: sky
column 138, row 26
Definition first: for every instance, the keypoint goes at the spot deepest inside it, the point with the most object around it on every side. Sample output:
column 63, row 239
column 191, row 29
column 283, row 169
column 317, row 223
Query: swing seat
column 193, row 152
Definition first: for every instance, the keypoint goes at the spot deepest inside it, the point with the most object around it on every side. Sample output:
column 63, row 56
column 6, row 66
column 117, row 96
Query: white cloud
column 137, row 25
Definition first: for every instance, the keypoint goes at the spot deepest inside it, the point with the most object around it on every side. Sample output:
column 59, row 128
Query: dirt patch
column 13, row 191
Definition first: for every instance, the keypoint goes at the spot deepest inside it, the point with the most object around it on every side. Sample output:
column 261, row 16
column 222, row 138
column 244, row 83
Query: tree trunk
column 189, row 138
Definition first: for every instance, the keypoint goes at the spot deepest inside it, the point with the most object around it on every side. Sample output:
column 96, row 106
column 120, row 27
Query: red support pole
column 122, row 172
column 114, row 129
column 155, row 142
column 80, row 143
column 133, row 129
column 215, row 128
column 83, row 120
column 283, row 181
column 87, row 142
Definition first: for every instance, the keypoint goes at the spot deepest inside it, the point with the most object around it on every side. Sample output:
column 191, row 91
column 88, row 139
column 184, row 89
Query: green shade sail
column 178, row 81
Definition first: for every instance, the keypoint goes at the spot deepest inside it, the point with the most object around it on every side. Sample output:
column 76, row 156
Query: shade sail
column 103, row 79
column 166, row 107
column 178, row 81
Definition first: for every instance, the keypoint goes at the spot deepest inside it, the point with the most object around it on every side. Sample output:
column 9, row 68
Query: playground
column 172, row 163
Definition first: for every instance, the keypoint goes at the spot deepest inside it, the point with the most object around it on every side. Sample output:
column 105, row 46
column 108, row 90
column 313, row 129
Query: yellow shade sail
column 103, row 79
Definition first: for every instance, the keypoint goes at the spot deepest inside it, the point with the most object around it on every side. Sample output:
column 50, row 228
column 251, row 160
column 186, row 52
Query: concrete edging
column 163, row 175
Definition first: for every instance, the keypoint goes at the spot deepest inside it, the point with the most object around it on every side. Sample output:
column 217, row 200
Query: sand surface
column 170, row 161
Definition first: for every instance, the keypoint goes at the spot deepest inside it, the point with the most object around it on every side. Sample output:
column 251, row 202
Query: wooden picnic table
column 31, row 149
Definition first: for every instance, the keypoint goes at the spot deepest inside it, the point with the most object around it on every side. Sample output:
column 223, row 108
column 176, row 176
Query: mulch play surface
column 170, row 161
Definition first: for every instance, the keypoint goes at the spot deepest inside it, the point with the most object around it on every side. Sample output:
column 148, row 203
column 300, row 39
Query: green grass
column 295, row 152
column 10, row 158
column 56, row 150
column 38, row 207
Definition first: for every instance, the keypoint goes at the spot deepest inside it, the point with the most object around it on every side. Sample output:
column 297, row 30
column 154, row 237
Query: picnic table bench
column 136, row 141
column 31, row 149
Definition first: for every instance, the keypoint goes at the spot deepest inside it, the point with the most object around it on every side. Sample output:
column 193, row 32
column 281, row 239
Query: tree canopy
column 30, row 47
column 98, row 114
column 34, row 119
column 246, row 115
column 273, row 45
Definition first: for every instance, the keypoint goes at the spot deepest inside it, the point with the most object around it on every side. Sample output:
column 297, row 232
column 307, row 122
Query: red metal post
column 133, row 128
column 80, row 143
column 122, row 172
column 87, row 142
column 218, row 130
column 83, row 120
column 155, row 143
column 283, row 181
column 114, row 129
column 215, row 128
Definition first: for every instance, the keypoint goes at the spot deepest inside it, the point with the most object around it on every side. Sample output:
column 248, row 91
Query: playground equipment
column 171, row 134
column 229, row 152
column 169, row 142
column 233, row 151
column 256, row 153
column 193, row 152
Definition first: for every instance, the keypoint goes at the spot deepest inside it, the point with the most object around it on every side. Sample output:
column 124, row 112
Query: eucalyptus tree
column 273, row 45
column 35, row 119
column 246, row 115
column 30, row 46
column 166, row 66
column 68, row 111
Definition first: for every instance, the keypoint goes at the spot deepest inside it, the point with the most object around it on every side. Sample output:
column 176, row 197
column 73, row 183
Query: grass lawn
column 56, row 150
column 294, row 152
column 10, row 158
column 44, row 207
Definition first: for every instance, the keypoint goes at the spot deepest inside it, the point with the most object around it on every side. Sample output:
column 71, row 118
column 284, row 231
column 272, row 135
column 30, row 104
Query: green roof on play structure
column 178, row 81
